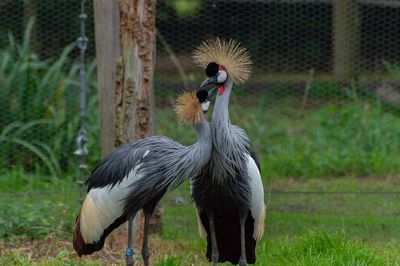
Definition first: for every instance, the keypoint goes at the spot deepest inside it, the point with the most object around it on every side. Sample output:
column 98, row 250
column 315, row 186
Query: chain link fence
column 323, row 100
column 307, row 54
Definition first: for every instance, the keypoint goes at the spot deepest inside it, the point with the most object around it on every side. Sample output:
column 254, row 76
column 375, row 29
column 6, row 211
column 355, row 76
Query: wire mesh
column 370, row 216
column 39, row 84
column 323, row 100
column 300, row 50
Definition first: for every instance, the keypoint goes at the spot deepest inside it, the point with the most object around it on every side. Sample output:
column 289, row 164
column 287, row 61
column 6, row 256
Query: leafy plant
column 393, row 69
column 39, row 113
column 12, row 135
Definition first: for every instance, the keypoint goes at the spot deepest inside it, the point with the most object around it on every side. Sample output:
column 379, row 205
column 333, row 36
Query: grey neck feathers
column 221, row 109
column 192, row 159
column 200, row 152
column 203, row 132
column 230, row 143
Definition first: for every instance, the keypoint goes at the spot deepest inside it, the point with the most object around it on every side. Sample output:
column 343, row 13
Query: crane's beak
column 210, row 80
column 211, row 92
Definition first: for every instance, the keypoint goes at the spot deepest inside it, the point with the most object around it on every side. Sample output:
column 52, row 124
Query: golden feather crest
column 188, row 108
column 228, row 53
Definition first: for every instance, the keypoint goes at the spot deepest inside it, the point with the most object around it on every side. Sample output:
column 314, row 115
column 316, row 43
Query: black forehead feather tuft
column 202, row 95
column 212, row 69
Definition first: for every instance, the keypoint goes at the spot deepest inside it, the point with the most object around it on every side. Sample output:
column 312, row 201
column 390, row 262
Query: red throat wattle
column 221, row 88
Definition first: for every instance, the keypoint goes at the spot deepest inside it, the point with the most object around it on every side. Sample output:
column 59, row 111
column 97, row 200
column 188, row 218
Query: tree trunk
column 128, row 83
column 346, row 34
column 134, row 84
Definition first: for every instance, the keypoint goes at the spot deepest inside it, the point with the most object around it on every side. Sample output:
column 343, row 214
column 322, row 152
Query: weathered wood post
column 106, row 15
column 125, row 48
column 346, row 38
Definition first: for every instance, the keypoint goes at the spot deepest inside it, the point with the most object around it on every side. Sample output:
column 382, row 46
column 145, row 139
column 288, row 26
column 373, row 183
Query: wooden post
column 346, row 37
column 106, row 16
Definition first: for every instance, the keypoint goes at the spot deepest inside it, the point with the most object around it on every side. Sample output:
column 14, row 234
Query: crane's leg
column 129, row 250
column 242, row 219
column 214, row 250
column 145, row 251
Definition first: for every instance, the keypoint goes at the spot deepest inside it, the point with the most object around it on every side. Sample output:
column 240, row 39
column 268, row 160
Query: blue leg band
column 129, row 252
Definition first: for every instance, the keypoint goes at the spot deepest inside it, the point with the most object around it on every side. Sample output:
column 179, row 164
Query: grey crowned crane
column 229, row 192
column 137, row 175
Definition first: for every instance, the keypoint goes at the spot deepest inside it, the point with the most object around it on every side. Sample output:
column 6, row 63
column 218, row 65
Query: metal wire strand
column 82, row 139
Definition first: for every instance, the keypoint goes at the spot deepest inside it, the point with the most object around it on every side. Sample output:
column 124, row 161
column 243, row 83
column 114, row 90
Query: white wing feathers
column 257, row 206
column 103, row 205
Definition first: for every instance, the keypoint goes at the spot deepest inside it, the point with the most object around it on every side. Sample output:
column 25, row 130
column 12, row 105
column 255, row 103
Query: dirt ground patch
column 52, row 247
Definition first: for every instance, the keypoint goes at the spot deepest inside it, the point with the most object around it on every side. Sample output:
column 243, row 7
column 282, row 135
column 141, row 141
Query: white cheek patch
column 205, row 106
column 222, row 76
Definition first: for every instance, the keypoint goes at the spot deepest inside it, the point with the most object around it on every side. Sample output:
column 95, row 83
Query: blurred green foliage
column 186, row 8
column 38, row 107
column 343, row 131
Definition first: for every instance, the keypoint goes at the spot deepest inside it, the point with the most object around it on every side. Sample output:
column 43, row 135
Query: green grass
column 61, row 259
column 292, row 211
column 355, row 138
column 316, row 247
column 312, row 248
column 35, row 206
column 332, row 147
column 321, row 248
column 301, row 228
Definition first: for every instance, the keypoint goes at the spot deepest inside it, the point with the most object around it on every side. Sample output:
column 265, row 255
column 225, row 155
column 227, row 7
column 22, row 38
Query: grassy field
column 330, row 180
column 313, row 248
column 302, row 228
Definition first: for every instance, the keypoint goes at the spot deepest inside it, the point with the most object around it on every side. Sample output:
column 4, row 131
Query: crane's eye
column 221, row 76
column 205, row 105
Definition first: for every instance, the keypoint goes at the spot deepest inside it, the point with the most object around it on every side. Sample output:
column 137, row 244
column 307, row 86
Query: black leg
column 145, row 251
column 129, row 250
column 214, row 254
column 242, row 219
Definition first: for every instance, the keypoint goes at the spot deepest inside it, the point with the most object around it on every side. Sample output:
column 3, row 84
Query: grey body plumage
column 167, row 165
column 222, row 191
column 138, row 174
column 163, row 162
column 226, row 172
column 228, row 193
